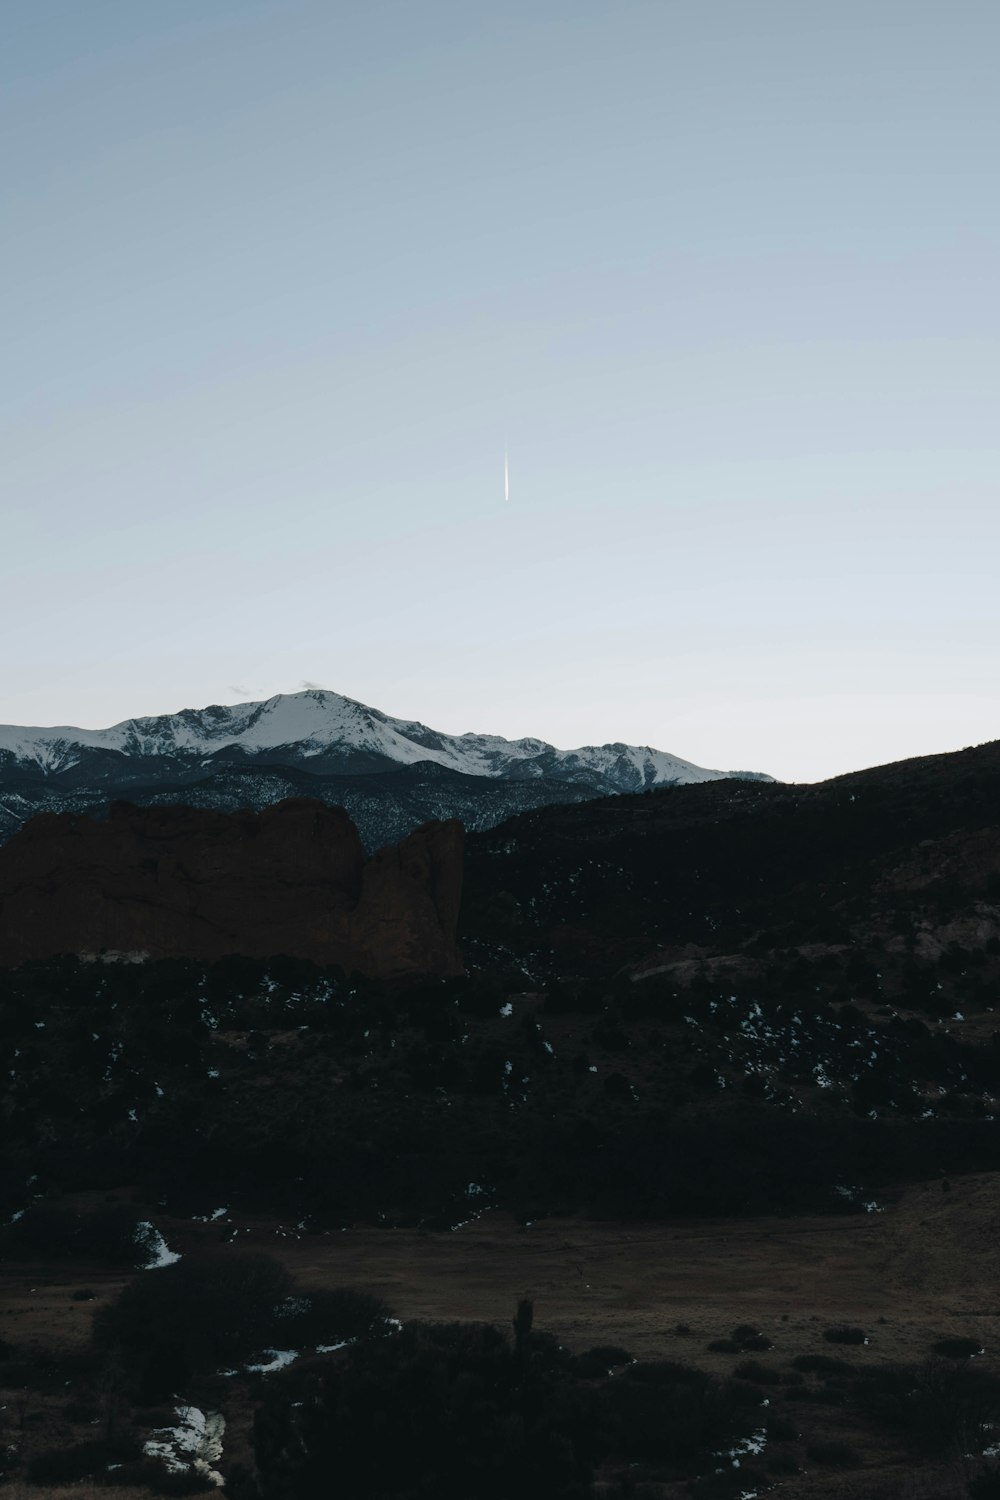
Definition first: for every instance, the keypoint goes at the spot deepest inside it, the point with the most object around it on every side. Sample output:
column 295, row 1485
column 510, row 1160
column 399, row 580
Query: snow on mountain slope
column 323, row 729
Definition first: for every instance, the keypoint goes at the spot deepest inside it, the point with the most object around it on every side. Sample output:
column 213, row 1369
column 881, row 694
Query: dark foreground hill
column 904, row 857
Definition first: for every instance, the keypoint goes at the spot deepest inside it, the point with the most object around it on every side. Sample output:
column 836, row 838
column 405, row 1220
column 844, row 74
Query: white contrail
column 506, row 476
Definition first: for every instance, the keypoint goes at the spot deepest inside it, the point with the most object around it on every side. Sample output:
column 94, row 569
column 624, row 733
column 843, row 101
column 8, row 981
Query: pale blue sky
column 280, row 280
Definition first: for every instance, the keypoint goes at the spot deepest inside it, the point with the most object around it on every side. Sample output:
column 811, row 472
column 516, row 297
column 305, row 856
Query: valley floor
column 923, row 1268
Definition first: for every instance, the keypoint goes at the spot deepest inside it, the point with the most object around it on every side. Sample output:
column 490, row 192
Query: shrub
column 725, row 1346
column 79, row 1461
column 436, row 1413
column 958, row 1348
column 586, row 1367
column 81, row 1411
column 666, row 1372
column 780, row 1430
column 746, row 1337
column 783, row 1463
column 152, row 1476
column 186, row 1482
column 193, row 1316
column 729, row 1484
column 743, row 1395
column 752, row 1369
column 985, row 1486
column 844, row 1335
column 945, row 1406
column 678, row 1421
column 107, row 1234
column 612, row 1354
column 834, row 1455
column 330, row 1316
column 821, row 1364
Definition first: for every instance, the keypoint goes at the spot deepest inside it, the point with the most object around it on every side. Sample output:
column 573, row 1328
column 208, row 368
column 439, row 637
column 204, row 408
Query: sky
column 282, row 279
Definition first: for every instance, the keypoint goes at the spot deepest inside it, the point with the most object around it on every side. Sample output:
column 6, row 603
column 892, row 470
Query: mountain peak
column 324, row 730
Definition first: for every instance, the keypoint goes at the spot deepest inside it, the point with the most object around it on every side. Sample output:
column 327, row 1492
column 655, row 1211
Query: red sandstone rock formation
column 182, row 882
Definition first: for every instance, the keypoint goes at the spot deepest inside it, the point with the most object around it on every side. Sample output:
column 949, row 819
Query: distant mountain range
column 390, row 774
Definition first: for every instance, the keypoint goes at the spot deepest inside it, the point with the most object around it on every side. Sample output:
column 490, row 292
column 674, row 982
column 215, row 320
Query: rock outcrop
column 183, row 882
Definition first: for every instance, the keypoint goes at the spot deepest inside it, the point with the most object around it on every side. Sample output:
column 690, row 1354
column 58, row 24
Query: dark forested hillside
column 742, row 866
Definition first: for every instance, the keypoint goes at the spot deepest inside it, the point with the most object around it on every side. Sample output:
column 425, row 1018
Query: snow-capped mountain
column 391, row 774
column 323, row 732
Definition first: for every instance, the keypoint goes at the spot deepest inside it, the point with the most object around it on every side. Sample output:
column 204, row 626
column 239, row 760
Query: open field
column 924, row 1268
column 928, row 1264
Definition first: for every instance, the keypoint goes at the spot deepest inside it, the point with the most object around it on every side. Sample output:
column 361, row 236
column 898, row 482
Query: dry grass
column 85, row 1490
column 926, row 1268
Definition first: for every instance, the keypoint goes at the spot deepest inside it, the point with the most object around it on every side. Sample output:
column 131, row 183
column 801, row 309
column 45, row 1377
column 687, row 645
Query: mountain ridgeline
column 390, row 774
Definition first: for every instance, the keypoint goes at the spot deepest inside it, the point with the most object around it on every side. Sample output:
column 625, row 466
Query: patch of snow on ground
column 279, row 1359
column 161, row 1255
column 192, row 1446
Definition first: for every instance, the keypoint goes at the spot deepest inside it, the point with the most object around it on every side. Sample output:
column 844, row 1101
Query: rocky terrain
column 149, row 883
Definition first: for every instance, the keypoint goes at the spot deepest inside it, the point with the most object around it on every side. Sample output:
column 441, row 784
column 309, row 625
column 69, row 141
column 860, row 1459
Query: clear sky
column 281, row 278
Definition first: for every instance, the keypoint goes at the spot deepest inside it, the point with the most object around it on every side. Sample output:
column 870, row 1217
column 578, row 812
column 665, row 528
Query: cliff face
column 181, row 882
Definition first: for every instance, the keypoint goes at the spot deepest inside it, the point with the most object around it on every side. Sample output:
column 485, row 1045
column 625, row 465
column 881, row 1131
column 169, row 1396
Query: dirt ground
column 926, row 1267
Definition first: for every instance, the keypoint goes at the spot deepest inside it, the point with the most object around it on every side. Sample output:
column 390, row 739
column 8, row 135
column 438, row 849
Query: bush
column 329, row 1316
column 666, row 1372
column 783, row 1463
column 79, row 1461
column 745, row 1396
column 152, row 1475
column 725, row 1346
column 751, row 1369
column 985, row 1486
column 834, row 1455
column 817, row 1395
column 439, row 1412
column 780, row 1430
column 678, row 1419
column 944, row 1406
column 821, row 1364
column 748, row 1338
column 193, row 1316
column 81, row 1411
column 844, row 1335
column 106, row 1234
column 610, row 1353
column 597, row 1362
column 729, row 1484
column 958, row 1348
